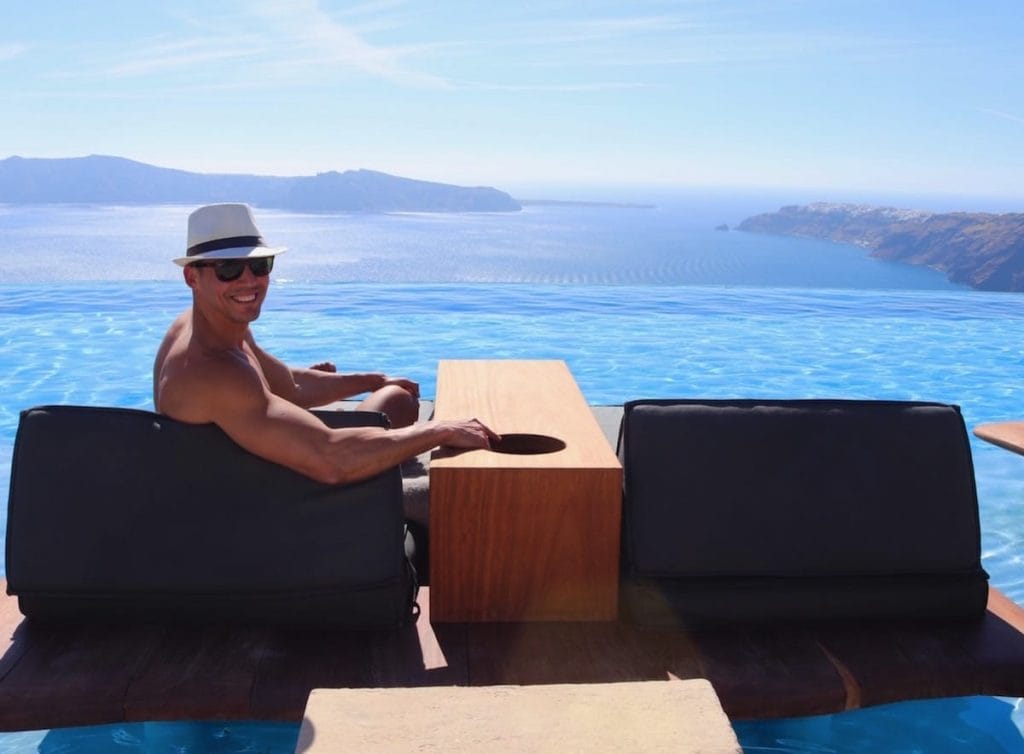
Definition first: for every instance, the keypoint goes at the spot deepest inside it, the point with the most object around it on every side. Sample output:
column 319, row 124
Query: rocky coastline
column 981, row 250
column 100, row 179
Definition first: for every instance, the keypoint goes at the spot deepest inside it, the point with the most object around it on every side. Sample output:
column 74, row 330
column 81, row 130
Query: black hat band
column 224, row 243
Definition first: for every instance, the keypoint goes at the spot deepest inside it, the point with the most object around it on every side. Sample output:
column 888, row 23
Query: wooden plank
column 890, row 661
column 298, row 661
column 1005, row 609
column 62, row 676
column 424, row 654
column 887, row 662
column 1008, row 435
column 770, row 672
column 997, row 646
column 195, row 670
column 523, row 537
column 73, row 675
column 595, row 652
column 10, row 626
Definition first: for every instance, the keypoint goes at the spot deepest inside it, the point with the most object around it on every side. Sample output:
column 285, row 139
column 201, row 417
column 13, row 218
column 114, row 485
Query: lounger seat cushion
column 125, row 514
column 765, row 510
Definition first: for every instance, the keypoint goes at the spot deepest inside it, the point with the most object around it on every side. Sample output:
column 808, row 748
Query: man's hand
column 407, row 385
column 470, row 434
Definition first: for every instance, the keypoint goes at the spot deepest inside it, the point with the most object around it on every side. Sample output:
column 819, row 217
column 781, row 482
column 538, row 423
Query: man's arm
column 273, row 428
column 316, row 387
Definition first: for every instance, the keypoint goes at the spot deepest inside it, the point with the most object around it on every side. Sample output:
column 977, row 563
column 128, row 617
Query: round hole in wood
column 521, row 444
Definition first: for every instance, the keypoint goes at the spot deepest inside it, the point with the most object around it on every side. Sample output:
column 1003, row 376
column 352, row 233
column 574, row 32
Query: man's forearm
column 316, row 388
column 359, row 453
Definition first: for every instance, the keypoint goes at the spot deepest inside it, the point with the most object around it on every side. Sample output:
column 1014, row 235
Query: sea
column 644, row 301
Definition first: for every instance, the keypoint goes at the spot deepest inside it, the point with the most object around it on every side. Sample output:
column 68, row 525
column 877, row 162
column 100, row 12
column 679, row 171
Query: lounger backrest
column 805, row 489
column 126, row 510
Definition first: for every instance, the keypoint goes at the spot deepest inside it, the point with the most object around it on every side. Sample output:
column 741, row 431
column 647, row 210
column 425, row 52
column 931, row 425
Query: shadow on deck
column 85, row 675
column 64, row 676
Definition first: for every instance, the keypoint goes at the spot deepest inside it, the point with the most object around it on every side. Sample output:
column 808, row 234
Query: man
column 210, row 369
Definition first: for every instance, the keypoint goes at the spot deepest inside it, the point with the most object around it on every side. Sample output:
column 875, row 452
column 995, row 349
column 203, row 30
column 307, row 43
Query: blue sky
column 873, row 95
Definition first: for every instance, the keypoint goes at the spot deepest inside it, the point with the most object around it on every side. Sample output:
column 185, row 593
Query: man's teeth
column 245, row 299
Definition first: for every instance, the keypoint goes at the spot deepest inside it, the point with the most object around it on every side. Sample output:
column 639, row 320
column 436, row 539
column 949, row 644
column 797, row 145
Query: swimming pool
column 979, row 725
column 639, row 303
column 93, row 343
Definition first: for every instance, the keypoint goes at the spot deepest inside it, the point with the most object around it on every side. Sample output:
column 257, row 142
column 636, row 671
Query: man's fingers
column 489, row 433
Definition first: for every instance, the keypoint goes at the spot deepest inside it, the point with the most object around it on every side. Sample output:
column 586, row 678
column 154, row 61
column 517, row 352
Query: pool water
column 157, row 738
column 639, row 303
column 93, row 343
column 975, row 725
column 978, row 725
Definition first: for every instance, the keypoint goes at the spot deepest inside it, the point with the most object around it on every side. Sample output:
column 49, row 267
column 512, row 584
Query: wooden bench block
column 515, row 536
column 636, row 716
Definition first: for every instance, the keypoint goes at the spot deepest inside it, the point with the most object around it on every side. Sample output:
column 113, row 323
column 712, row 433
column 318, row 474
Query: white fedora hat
column 224, row 231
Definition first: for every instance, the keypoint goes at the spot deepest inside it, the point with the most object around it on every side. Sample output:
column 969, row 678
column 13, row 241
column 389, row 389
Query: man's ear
column 190, row 274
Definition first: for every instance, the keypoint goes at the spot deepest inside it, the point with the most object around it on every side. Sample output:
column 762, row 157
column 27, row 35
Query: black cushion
column 764, row 509
column 125, row 513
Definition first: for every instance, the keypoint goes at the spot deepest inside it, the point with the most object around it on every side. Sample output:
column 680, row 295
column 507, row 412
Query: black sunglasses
column 227, row 270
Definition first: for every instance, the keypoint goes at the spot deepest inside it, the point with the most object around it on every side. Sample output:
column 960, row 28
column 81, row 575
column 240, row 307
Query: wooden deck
column 55, row 677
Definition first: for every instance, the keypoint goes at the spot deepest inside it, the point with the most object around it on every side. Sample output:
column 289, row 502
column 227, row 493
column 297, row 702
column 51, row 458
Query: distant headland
column 984, row 251
column 115, row 180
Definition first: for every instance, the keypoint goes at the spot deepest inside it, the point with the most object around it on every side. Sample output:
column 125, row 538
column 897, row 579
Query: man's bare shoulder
column 198, row 384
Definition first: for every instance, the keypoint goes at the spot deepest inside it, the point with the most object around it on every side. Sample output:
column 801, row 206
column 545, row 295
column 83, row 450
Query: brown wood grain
column 523, row 537
column 423, row 654
column 1008, row 435
column 576, row 652
column 296, row 661
column 72, row 675
column 191, row 670
column 902, row 660
column 86, row 675
column 770, row 672
column 995, row 646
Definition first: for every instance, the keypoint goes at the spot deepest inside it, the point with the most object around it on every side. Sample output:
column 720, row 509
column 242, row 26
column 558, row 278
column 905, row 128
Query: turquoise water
column 639, row 303
column 157, row 738
column 93, row 343
column 978, row 725
column 974, row 725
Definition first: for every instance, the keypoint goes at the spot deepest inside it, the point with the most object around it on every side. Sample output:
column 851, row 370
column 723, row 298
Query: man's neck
column 217, row 333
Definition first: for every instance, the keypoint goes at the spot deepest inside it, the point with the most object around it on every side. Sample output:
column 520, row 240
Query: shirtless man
column 210, row 369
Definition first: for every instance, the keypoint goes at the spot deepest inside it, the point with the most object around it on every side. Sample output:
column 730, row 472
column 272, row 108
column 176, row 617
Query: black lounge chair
column 126, row 515
column 754, row 511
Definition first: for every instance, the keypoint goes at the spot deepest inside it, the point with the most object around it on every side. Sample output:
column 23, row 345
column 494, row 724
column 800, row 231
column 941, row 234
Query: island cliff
column 984, row 251
column 116, row 180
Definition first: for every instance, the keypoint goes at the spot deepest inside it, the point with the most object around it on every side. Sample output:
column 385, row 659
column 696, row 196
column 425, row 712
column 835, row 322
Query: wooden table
column 1008, row 435
column 523, row 537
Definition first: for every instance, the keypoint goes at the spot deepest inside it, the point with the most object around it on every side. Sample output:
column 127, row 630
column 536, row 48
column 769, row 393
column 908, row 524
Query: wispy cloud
column 679, row 40
column 294, row 42
column 157, row 55
column 300, row 43
column 600, row 29
column 596, row 86
column 1001, row 114
column 10, row 51
column 745, row 48
column 305, row 28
